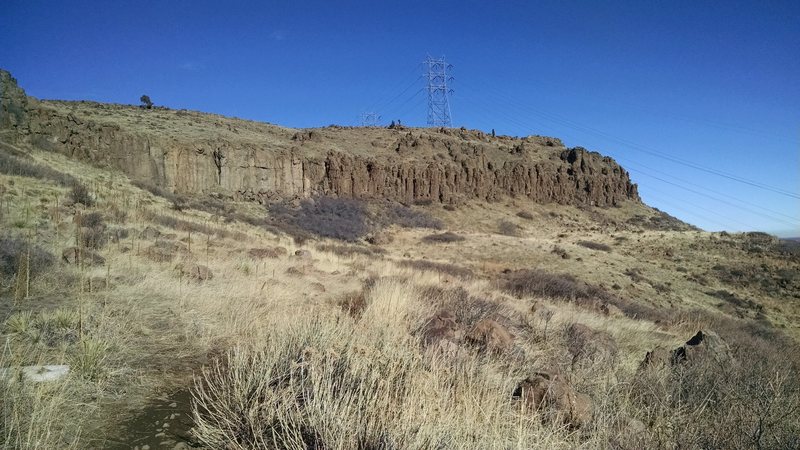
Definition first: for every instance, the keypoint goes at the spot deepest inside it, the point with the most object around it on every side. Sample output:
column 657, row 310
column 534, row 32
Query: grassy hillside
column 340, row 324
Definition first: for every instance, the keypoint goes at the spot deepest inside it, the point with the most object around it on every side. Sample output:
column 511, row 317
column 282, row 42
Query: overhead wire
column 516, row 121
column 586, row 129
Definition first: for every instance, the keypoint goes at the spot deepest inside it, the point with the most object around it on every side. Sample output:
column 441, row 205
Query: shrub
column 445, row 237
column 537, row 282
column 507, row 228
column 337, row 218
column 14, row 253
column 410, row 218
column 80, row 194
column 595, row 246
column 525, row 215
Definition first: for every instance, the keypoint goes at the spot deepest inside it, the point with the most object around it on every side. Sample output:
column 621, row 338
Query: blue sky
column 664, row 87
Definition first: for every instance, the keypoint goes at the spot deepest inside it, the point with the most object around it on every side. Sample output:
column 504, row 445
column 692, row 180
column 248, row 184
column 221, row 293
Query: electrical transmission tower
column 370, row 119
column 438, row 102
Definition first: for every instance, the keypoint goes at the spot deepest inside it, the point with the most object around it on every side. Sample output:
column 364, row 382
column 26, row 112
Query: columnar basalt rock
column 261, row 162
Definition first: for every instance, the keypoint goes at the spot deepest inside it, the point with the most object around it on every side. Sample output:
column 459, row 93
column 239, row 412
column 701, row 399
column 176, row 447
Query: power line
column 513, row 119
column 577, row 126
column 629, row 163
column 403, row 81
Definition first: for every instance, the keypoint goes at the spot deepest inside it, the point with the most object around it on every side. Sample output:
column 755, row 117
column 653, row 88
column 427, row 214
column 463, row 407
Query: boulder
column 704, row 345
column 549, row 392
column 302, row 254
column 489, row 335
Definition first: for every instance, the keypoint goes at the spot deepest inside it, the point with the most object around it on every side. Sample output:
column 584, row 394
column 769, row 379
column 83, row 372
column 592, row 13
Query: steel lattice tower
column 438, row 101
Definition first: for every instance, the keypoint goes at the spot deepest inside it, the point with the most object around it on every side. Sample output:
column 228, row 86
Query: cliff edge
column 194, row 153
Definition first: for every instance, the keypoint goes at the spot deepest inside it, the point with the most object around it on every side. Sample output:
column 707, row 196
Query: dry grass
column 333, row 358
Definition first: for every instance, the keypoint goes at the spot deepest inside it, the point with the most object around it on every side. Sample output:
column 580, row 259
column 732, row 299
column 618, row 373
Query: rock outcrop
column 189, row 152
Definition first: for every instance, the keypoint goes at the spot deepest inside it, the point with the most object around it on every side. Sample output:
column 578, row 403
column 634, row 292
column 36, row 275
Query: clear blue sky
column 712, row 83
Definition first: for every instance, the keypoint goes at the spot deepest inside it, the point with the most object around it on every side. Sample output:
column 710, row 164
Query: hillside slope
column 355, row 321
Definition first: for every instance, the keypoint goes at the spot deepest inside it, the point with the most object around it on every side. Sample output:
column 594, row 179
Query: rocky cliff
column 190, row 152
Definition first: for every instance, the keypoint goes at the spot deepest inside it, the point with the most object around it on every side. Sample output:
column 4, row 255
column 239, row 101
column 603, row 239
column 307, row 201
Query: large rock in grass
column 549, row 393
column 490, row 336
column 705, row 345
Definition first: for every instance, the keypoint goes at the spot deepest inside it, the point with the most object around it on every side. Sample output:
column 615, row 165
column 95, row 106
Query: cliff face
column 190, row 153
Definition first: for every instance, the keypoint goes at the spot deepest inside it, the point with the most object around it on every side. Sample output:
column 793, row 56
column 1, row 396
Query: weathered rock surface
column 489, row 335
column 704, row 345
column 550, row 393
column 191, row 153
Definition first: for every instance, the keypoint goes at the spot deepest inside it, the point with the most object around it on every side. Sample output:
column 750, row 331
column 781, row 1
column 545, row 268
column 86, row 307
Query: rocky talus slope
column 190, row 152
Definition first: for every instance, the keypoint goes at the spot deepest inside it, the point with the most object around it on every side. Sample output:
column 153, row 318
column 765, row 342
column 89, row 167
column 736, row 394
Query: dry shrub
column 336, row 218
column 80, row 194
column 537, row 282
column 410, row 218
column 14, row 254
column 445, row 268
column 353, row 303
column 446, row 237
column 91, row 230
column 525, row 215
column 325, row 385
column 594, row 245
column 507, row 228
